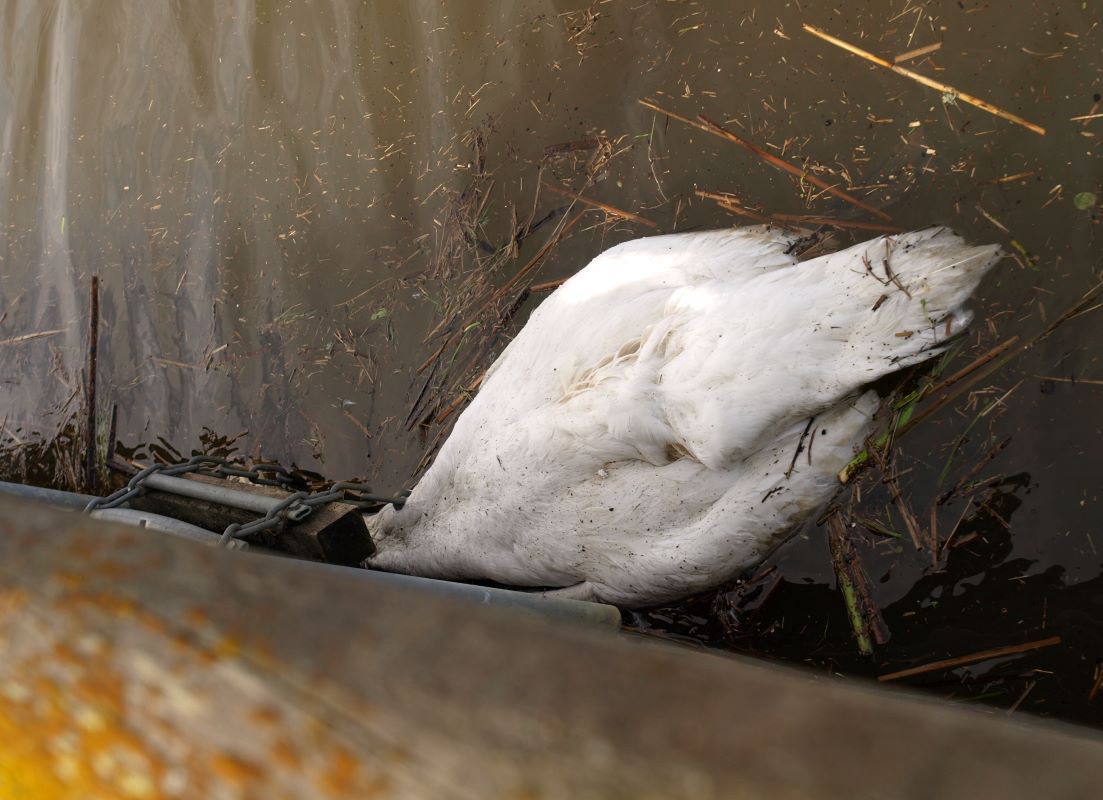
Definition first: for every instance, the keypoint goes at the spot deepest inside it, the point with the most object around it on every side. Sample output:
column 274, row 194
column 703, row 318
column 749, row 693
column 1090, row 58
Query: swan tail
column 907, row 293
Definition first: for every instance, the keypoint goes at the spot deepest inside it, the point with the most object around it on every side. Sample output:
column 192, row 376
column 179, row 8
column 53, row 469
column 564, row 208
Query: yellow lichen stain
column 76, row 718
column 235, row 769
column 137, row 785
column 89, row 719
column 63, row 728
column 46, row 755
column 15, row 691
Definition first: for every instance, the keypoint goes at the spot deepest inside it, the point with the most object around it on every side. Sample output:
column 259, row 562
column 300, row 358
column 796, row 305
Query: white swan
column 631, row 444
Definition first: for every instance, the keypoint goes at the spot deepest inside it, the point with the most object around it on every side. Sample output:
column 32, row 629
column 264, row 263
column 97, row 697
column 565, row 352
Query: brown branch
column 960, row 661
column 730, row 205
column 1097, row 684
column 707, row 125
column 547, row 286
column 945, row 88
column 608, row 209
column 976, row 364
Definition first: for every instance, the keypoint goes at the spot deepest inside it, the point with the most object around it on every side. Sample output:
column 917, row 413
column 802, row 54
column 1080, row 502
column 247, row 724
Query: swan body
column 634, row 443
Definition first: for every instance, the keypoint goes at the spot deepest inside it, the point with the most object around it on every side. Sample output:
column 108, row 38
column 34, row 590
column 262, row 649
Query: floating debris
column 865, row 617
column 705, row 124
column 960, row 661
column 30, row 337
column 917, row 52
column 948, row 92
column 608, row 209
column 1084, row 201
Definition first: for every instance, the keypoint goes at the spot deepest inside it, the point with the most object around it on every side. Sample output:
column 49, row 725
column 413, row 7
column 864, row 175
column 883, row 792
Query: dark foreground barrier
column 137, row 665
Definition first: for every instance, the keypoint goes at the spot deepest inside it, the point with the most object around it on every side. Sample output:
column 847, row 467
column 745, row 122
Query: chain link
column 273, row 518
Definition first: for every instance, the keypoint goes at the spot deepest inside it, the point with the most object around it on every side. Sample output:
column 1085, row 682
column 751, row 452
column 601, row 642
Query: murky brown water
column 284, row 199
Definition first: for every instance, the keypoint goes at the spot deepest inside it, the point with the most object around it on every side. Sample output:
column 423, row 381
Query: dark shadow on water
column 982, row 599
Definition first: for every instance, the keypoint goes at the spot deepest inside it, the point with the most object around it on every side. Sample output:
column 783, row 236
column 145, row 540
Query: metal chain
column 288, row 510
column 273, row 518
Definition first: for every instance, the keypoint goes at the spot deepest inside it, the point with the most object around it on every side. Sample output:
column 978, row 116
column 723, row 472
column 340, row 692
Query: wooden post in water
column 90, row 388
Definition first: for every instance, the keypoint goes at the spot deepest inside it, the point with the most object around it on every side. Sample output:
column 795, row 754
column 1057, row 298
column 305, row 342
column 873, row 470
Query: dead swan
column 631, row 444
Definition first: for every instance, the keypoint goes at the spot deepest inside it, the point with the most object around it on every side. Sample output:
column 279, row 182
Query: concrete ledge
column 136, row 665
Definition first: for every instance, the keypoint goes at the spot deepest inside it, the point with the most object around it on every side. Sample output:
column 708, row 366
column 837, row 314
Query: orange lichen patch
column 81, row 549
column 227, row 647
column 114, row 569
column 69, row 739
column 121, row 607
column 196, row 617
column 63, row 652
column 68, row 580
column 126, row 539
column 154, row 560
column 101, row 601
column 344, row 778
column 285, row 754
column 46, row 689
column 235, row 769
column 11, row 601
column 115, row 606
column 265, row 715
column 95, row 703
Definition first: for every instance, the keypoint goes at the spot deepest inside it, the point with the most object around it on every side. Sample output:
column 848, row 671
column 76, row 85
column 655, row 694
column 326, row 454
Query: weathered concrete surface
column 137, row 665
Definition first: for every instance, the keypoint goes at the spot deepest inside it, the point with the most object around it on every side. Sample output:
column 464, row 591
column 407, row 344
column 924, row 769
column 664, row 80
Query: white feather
column 632, row 441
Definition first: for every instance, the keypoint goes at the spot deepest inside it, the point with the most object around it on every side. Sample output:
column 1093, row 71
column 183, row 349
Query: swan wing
column 606, row 307
column 732, row 361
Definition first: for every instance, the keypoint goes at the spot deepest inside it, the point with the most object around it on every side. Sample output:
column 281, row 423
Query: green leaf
column 1084, row 201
